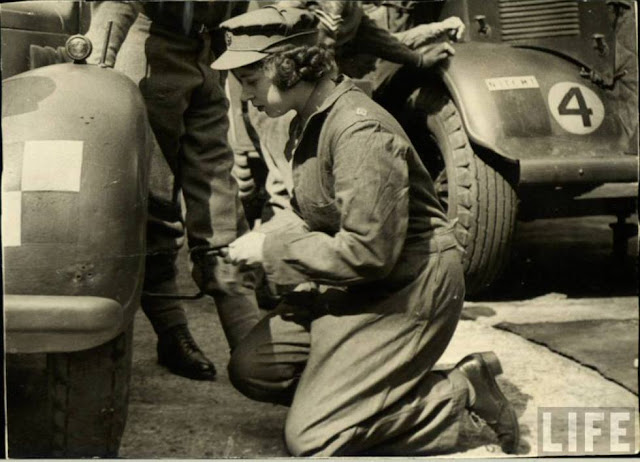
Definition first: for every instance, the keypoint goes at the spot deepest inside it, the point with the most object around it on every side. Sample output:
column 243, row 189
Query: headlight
column 78, row 47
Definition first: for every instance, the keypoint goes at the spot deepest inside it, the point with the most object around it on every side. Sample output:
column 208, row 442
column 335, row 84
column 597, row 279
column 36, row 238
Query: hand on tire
column 425, row 33
column 434, row 53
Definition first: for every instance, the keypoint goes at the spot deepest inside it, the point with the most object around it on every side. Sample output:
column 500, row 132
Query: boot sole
column 491, row 362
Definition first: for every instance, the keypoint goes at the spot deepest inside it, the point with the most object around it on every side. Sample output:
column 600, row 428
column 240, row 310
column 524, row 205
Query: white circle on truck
column 575, row 107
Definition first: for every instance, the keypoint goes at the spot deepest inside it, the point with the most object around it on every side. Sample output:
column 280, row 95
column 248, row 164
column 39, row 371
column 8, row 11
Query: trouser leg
column 363, row 380
column 141, row 58
column 163, row 313
column 267, row 365
column 160, row 268
column 238, row 315
column 214, row 212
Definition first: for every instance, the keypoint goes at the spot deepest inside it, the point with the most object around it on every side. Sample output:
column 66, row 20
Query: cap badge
column 228, row 38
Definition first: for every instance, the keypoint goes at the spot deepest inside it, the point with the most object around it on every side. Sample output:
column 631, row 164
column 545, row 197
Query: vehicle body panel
column 564, row 27
column 517, row 121
column 74, row 191
column 47, row 323
column 38, row 23
column 524, row 90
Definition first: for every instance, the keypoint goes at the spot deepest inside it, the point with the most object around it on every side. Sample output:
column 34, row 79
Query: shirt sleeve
column 379, row 42
column 372, row 193
column 122, row 15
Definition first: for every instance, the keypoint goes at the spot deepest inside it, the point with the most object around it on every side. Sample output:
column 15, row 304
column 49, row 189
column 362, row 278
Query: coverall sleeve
column 279, row 198
column 371, row 186
column 123, row 15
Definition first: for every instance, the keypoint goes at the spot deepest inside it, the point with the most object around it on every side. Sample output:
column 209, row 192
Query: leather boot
column 490, row 403
column 178, row 351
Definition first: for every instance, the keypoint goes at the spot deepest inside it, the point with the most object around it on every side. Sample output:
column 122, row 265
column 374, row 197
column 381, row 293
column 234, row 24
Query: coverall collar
column 344, row 85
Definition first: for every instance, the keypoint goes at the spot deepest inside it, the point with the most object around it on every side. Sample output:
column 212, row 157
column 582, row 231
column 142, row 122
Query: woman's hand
column 247, row 250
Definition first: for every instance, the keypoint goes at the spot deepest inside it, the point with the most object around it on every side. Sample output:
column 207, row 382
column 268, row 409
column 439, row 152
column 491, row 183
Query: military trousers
column 360, row 382
column 190, row 167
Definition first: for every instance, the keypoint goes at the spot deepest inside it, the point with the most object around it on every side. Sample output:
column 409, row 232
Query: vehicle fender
column 509, row 100
column 75, row 148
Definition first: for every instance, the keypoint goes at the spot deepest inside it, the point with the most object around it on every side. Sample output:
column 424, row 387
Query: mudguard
column 75, row 151
column 531, row 104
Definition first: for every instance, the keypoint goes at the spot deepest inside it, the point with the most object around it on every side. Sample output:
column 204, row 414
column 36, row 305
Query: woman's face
column 263, row 94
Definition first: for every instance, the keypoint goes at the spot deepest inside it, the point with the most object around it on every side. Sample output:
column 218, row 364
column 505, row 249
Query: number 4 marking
column 582, row 109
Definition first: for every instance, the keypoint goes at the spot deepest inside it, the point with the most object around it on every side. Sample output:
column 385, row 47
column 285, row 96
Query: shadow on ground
column 570, row 256
column 173, row 417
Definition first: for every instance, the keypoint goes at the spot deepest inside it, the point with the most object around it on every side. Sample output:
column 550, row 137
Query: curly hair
column 295, row 63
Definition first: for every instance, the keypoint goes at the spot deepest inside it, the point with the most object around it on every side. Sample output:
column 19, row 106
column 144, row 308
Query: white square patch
column 52, row 165
column 11, row 218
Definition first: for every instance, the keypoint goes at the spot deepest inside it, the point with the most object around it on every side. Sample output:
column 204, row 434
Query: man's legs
column 145, row 59
column 214, row 212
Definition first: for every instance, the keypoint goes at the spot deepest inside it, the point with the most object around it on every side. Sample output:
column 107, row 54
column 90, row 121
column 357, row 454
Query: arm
column 379, row 42
column 371, row 190
column 425, row 33
column 123, row 15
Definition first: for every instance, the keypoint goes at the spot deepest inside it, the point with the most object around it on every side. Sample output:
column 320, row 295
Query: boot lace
column 184, row 338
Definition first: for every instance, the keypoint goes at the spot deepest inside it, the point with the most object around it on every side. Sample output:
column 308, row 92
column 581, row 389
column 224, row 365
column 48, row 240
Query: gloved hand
column 434, row 53
column 425, row 33
column 242, row 174
column 213, row 275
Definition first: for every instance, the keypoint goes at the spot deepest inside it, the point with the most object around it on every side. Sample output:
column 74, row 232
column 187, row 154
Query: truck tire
column 477, row 195
column 89, row 394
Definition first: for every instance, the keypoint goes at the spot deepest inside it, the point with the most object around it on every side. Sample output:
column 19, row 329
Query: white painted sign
column 11, row 218
column 575, row 107
column 52, row 165
column 512, row 83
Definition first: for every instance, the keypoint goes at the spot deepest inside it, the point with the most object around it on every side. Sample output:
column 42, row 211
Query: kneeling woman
column 366, row 236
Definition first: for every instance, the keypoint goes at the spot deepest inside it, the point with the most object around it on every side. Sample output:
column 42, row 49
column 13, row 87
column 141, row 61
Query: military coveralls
column 359, row 41
column 354, row 359
column 167, row 52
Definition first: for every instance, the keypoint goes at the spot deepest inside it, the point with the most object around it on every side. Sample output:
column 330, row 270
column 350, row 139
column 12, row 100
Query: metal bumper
column 45, row 324
column 578, row 170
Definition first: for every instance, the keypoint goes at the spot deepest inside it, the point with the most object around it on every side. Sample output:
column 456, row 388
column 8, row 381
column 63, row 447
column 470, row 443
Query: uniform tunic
column 353, row 359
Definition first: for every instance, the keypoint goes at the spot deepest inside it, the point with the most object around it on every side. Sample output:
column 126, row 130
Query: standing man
column 166, row 48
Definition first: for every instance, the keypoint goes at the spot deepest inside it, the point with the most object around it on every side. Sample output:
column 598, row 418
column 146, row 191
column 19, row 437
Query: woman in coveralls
column 377, row 267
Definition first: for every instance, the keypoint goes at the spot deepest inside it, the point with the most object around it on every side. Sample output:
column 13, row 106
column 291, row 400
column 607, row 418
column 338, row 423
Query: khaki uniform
column 166, row 48
column 354, row 358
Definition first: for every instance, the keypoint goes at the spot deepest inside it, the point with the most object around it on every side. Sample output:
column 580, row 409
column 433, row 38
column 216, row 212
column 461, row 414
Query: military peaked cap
column 252, row 36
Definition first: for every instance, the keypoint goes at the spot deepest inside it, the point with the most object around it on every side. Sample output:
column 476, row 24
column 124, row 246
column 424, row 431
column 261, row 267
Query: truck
column 527, row 121
column 75, row 143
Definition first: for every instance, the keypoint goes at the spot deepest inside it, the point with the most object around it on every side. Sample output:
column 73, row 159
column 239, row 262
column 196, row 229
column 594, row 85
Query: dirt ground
column 561, row 270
